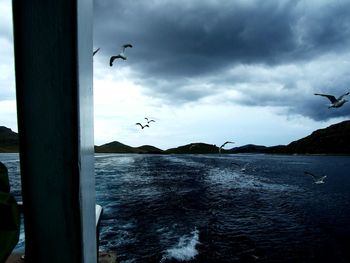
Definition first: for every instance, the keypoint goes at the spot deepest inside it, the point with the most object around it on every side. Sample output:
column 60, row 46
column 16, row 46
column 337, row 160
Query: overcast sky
column 209, row 71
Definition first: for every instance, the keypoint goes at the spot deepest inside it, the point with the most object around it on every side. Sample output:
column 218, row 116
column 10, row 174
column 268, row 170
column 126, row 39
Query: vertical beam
column 86, row 117
column 53, row 63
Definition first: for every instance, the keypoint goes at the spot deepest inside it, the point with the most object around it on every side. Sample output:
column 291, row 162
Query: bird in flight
column 335, row 102
column 222, row 146
column 142, row 126
column 148, row 121
column 317, row 180
column 93, row 53
column 120, row 55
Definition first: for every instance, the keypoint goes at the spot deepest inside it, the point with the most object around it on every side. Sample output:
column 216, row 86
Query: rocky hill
column 149, row 149
column 334, row 139
column 117, row 147
column 249, row 148
column 8, row 140
column 194, row 148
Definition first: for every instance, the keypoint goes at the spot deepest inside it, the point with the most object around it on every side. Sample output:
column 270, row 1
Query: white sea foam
column 233, row 180
column 184, row 161
column 185, row 249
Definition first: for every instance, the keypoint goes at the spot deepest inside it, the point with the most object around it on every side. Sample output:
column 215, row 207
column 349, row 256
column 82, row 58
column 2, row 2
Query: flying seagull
column 335, row 102
column 93, row 53
column 120, row 55
column 142, row 126
column 148, row 121
column 222, row 146
column 317, row 180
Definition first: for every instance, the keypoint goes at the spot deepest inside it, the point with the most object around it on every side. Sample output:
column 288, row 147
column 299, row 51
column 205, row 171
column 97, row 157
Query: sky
column 209, row 71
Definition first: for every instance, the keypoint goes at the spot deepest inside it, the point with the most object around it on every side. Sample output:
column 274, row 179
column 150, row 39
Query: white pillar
column 53, row 62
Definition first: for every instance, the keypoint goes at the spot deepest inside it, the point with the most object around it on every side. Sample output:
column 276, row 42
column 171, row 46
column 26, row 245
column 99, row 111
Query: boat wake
column 184, row 250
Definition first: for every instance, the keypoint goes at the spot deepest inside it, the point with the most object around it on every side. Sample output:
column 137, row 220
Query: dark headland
column 8, row 140
column 117, row 147
column 334, row 139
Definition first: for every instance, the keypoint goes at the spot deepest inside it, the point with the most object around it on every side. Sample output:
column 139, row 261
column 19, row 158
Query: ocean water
column 220, row 208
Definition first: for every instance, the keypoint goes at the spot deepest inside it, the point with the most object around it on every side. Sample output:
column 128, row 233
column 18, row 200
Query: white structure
column 53, row 63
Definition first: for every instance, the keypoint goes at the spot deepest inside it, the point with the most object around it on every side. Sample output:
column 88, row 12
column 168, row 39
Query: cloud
column 6, row 18
column 177, row 39
column 7, row 76
column 206, row 70
column 266, row 53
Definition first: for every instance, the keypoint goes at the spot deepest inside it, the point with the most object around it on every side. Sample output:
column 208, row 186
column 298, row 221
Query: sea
column 219, row 208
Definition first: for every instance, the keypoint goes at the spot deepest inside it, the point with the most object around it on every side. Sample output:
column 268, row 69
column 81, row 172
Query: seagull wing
column 151, row 121
column 312, row 175
column 113, row 58
column 330, row 97
column 93, row 53
column 125, row 46
column 139, row 124
column 322, row 178
column 146, row 119
column 146, row 126
column 342, row 96
column 225, row 144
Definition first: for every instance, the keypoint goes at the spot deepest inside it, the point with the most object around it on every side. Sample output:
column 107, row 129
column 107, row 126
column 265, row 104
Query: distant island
column 117, row 147
column 334, row 139
column 8, row 140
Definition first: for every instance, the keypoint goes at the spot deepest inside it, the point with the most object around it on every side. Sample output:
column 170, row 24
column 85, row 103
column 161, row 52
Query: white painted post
column 53, row 62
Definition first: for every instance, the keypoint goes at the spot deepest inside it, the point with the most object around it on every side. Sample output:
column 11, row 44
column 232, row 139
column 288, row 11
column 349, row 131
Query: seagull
column 148, row 121
column 317, row 180
column 120, row 55
column 335, row 103
column 142, row 126
column 224, row 145
column 93, row 53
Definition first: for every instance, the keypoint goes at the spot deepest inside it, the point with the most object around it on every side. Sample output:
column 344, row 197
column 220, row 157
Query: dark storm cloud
column 174, row 40
column 318, row 110
column 178, row 41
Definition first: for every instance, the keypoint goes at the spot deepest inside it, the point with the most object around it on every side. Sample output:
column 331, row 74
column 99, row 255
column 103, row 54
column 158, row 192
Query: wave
column 185, row 249
column 236, row 180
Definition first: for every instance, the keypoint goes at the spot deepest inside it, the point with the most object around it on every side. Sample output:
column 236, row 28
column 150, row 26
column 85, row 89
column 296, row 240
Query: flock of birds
column 121, row 55
column 145, row 125
column 334, row 103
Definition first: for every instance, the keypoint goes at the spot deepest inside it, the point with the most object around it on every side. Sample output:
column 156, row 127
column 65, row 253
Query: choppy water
column 206, row 208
